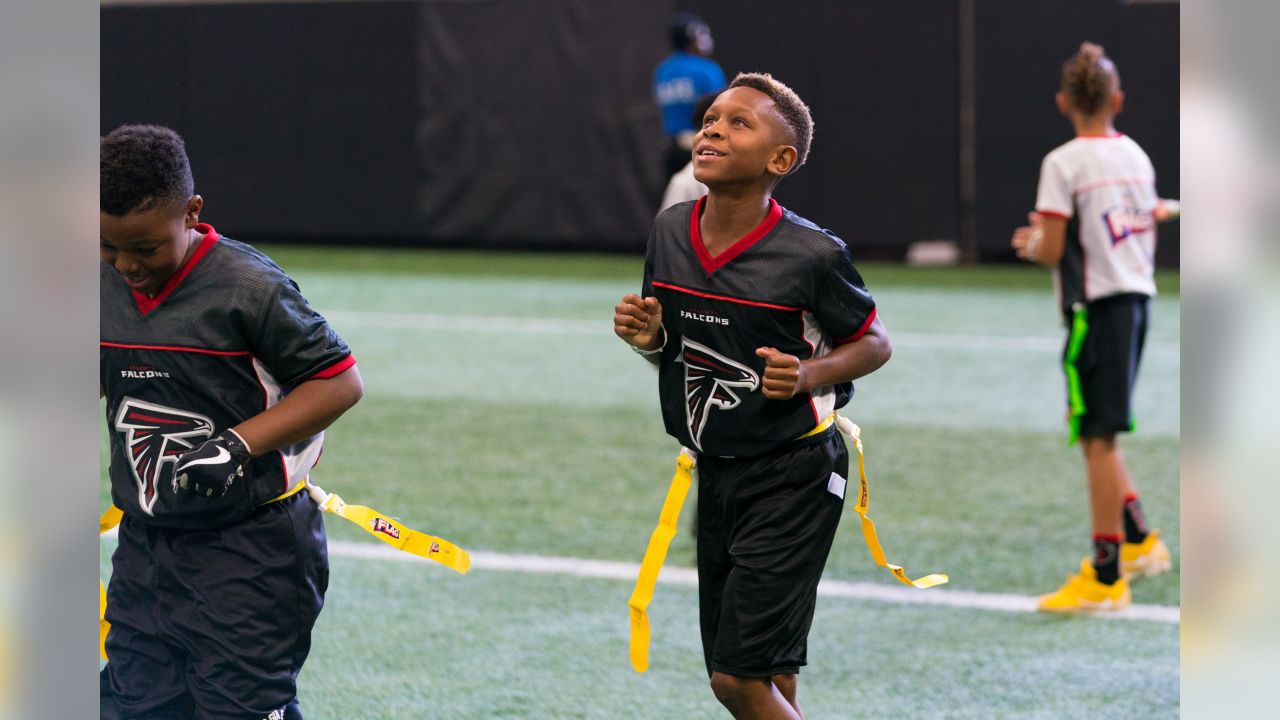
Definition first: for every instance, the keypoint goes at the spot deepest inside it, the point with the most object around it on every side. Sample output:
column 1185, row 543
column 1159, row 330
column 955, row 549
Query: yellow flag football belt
column 662, row 535
column 377, row 524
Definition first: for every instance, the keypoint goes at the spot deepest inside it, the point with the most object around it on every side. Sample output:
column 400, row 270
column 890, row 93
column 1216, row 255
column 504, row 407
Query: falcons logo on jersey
column 154, row 436
column 709, row 380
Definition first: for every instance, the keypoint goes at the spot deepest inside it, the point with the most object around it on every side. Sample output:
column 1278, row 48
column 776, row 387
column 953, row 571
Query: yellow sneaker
column 1147, row 558
column 1083, row 593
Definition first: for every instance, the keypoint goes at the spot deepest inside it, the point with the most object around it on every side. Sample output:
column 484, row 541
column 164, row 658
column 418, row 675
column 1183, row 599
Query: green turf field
column 500, row 412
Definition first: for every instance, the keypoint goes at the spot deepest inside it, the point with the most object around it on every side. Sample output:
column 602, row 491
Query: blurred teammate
column 219, row 380
column 683, row 77
column 758, row 322
column 1095, row 225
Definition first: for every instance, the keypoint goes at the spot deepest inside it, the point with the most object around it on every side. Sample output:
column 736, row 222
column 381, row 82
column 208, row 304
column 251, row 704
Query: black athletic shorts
column 765, row 527
column 1108, row 363
column 214, row 624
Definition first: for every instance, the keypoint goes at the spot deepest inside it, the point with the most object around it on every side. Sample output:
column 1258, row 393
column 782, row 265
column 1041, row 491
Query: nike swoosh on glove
column 211, row 469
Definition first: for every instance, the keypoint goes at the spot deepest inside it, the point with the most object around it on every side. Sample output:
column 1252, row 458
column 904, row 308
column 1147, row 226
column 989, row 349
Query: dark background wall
column 882, row 78
column 521, row 123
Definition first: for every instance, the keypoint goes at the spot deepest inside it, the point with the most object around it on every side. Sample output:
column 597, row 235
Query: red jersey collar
column 711, row 264
column 147, row 304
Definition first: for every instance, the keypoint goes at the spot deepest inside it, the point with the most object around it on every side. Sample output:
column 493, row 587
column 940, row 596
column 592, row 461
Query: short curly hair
column 793, row 110
column 143, row 166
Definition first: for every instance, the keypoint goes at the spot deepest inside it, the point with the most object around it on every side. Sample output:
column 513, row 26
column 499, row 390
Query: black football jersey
column 224, row 339
column 788, row 284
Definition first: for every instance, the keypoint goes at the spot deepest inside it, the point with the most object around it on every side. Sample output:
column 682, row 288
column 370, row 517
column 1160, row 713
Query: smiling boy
column 219, row 381
column 758, row 322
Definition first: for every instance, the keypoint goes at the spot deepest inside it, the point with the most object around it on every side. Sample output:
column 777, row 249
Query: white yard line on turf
column 614, row 570
column 554, row 326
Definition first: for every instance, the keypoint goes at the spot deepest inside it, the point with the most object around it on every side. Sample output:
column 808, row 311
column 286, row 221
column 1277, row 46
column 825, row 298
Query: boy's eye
column 707, row 120
column 739, row 122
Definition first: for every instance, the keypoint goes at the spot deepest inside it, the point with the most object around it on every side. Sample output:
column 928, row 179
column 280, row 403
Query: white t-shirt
column 682, row 187
column 1105, row 187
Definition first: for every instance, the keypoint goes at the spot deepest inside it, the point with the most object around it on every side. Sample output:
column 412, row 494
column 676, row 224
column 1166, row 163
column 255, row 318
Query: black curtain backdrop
column 882, row 78
column 481, row 123
column 299, row 118
column 523, row 123
column 536, row 122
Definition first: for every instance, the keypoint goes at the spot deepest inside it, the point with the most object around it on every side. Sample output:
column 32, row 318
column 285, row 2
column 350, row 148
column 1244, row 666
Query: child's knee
column 730, row 690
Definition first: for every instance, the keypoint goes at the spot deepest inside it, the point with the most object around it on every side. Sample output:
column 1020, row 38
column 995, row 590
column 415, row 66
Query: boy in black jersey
column 758, row 322
column 219, row 381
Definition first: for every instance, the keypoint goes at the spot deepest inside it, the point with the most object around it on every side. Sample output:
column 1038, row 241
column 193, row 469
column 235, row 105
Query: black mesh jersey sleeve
column 842, row 305
column 292, row 340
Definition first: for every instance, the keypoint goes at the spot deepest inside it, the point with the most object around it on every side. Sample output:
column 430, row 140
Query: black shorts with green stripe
column 1108, row 363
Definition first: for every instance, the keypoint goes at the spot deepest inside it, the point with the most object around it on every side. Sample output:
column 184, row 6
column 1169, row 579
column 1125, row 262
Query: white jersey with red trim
column 227, row 337
column 787, row 284
column 1104, row 187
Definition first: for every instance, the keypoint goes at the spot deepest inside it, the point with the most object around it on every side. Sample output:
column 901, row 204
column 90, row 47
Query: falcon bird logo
column 709, row 380
column 154, row 436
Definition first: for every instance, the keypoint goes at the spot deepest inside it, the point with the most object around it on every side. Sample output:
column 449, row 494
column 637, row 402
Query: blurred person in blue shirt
column 683, row 77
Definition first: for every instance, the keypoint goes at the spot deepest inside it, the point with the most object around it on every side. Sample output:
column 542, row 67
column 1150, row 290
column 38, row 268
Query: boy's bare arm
column 786, row 375
column 305, row 411
column 1042, row 241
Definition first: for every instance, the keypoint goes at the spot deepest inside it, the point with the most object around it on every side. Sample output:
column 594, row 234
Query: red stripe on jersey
column 687, row 291
column 174, row 348
column 147, row 304
column 1053, row 214
column 866, row 325
column 1114, row 181
column 711, row 264
column 335, row 369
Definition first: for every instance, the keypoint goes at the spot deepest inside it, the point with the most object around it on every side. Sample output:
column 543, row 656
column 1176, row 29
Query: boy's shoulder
column 233, row 263
column 245, row 257
column 1082, row 158
column 809, row 236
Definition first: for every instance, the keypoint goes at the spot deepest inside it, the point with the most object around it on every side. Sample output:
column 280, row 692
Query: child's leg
column 786, row 684
column 250, row 596
column 145, row 675
column 1108, row 483
column 776, row 520
column 749, row 698
column 1106, row 499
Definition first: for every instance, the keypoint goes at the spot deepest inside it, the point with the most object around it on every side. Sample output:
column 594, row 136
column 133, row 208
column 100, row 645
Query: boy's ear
column 1117, row 101
column 1061, row 99
column 194, row 205
column 783, row 160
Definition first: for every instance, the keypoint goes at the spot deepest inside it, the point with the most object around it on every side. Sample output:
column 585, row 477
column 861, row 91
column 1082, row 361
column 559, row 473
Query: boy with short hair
column 758, row 322
column 219, row 380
